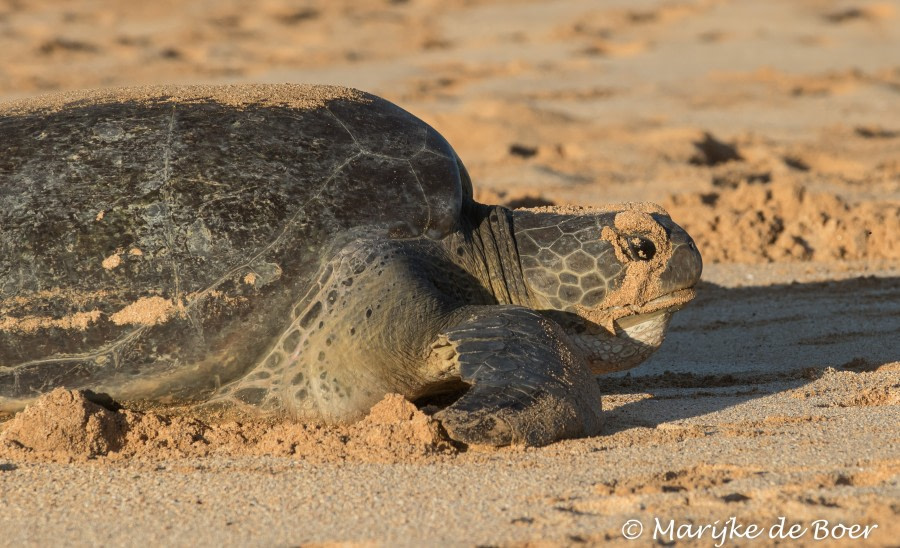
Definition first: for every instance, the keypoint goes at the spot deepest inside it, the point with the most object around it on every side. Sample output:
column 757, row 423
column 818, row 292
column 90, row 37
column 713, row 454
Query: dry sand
column 769, row 129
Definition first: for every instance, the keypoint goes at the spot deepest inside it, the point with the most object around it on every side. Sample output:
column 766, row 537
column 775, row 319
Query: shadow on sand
column 732, row 345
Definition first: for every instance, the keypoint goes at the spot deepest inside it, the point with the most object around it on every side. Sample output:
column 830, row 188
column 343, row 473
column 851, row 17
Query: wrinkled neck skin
column 486, row 249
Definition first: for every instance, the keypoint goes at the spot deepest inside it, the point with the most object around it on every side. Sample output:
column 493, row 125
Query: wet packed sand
column 768, row 129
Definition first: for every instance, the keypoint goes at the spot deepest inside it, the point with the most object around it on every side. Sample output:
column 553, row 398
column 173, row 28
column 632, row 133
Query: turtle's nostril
column 642, row 249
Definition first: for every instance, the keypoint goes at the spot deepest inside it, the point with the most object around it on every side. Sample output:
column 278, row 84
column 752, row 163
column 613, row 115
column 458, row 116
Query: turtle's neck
column 490, row 254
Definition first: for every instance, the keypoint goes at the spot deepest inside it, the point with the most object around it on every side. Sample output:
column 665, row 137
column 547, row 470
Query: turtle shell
column 170, row 232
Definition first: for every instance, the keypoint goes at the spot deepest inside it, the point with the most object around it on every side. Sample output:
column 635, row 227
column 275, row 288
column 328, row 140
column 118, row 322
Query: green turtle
column 307, row 250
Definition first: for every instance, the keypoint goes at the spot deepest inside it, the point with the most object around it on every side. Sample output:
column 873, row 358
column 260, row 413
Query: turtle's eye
column 642, row 249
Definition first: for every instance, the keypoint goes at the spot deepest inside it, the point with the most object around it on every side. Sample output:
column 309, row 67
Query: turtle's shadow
column 733, row 345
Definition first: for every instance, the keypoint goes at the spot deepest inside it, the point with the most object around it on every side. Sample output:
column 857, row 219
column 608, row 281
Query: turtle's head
column 610, row 277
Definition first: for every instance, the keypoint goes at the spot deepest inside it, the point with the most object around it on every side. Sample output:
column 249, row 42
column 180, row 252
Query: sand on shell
column 768, row 129
column 297, row 96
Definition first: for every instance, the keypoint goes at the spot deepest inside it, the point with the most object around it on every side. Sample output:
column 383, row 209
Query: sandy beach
column 769, row 130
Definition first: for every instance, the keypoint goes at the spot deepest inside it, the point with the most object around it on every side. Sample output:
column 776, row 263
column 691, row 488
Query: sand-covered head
column 606, row 262
column 611, row 276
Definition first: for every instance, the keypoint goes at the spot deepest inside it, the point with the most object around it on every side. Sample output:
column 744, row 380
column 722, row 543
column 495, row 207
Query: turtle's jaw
column 665, row 304
column 636, row 332
column 635, row 338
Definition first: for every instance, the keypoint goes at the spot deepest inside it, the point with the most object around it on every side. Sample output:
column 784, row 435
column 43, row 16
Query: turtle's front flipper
column 527, row 385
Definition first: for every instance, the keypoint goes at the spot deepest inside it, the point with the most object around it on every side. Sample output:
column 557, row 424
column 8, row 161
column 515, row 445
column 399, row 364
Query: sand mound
column 66, row 426
column 746, row 220
column 784, row 222
column 395, row 430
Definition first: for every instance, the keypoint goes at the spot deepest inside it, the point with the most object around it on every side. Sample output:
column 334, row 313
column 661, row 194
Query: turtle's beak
column 685, row 265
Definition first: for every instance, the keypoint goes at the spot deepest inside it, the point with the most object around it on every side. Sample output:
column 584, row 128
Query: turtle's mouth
column 629, row 333
column 621, row 317
column 633, row 314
